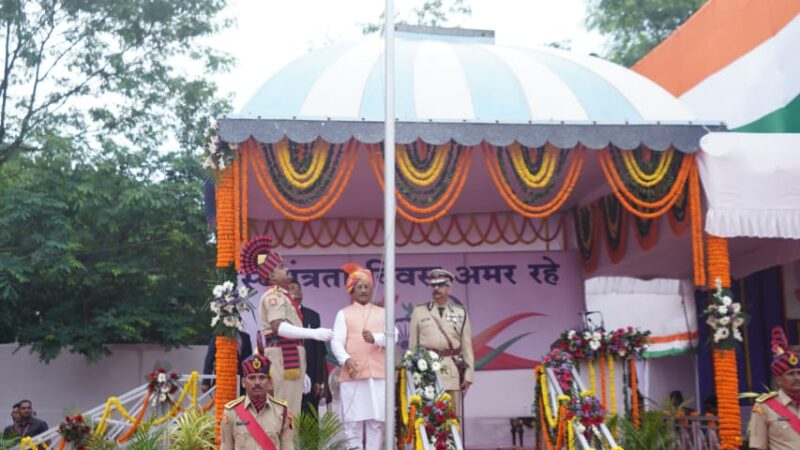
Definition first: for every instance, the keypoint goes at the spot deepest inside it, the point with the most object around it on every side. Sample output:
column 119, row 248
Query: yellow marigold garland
column 548, row 412
column 442, row 206
column 521, row 207
column 418, row 438
column 644, row 179
column 635, row 205
column 592, row 376
column 612, row 387
column 571, row 435
column 306, row 179
column 545, row 173
column 190, row 389
column 284, row 206
column 421, row 178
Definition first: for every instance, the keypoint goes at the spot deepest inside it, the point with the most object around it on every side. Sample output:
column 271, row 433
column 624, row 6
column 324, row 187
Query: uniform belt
column 449, row 352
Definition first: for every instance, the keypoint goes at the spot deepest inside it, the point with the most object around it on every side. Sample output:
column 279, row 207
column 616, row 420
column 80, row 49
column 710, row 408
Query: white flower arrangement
column 219, row 154
column 725, row 318
column 227, row 307
column 424, row 367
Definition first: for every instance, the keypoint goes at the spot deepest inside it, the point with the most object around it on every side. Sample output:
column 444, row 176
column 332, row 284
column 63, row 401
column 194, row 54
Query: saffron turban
column 356, row 273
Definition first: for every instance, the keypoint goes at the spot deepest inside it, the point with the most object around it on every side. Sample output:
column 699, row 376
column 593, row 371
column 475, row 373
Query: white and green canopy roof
column 460, row 86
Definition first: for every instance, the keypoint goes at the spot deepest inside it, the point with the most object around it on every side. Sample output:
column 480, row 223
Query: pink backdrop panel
column 518, row 302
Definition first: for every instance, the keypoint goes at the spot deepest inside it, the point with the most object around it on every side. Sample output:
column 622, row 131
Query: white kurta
column 360, row 399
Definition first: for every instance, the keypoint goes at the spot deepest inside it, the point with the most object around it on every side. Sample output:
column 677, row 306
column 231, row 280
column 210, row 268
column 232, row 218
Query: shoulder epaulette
column 764, row 397
column 279, row 401
column 234, row 402
column 456, row 305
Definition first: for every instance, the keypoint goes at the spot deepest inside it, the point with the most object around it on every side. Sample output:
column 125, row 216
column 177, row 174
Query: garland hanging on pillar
column 726, row 374
column 587, row 235
column 615, row 227
column 226, row 244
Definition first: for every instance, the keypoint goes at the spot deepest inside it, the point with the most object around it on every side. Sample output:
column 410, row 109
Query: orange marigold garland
column 696, row 222
column 726, row 381
column 227, row 305
column 451, row 179
column 719, row 266
column 137, row 420
column 226, row 370
column 726, row 374
column 226, row 246
column 321, row 196
column 645, row 209
column 525, row 207
column 634, row 394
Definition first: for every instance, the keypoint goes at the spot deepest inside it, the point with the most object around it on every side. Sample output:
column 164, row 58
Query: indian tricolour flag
column 737, row 61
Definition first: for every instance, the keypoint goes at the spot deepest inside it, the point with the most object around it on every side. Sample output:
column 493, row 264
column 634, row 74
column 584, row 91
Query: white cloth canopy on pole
column 752, row 184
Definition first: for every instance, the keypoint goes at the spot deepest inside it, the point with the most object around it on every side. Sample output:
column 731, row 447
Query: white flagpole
column 389, row 219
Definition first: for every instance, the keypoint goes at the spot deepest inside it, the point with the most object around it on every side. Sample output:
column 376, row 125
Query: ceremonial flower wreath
column 162, row 386
column 424, row 366
column 219, row 153
column 561, row 362
column 227, row 305
column 434, row 410
column 725, row 317
column 587, row 345
column 75, row 431
column 588, row 411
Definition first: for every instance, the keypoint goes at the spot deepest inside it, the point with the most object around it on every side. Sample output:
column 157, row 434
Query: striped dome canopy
column 456, row 84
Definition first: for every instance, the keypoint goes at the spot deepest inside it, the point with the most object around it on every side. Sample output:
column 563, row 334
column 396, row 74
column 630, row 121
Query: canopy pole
column 389, row 221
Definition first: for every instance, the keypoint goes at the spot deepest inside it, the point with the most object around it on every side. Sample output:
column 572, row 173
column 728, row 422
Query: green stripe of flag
column 669, row 352
column 783, row 120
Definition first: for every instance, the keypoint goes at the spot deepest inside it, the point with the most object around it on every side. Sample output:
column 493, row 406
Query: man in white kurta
column 359, row 346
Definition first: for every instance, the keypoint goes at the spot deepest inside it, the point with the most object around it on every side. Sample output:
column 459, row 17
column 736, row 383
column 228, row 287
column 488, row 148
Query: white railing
column 555, row 391
column 424, row 434
column 133, row 402
column 696, row 432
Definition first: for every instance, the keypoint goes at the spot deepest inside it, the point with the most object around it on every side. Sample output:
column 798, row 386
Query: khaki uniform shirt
column 274, row 419
column 768, row 430
column 425, row 333
column 276, row 305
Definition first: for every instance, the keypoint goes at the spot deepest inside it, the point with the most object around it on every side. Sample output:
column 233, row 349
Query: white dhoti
column 363, row 400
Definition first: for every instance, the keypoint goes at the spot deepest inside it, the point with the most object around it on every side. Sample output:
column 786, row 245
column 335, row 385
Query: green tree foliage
column 102, row 248
column 634, row 27
column 432, row 13
column 103, row 235
column 94, row 67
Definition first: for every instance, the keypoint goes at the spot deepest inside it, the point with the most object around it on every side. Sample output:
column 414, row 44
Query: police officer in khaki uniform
column 257, row 420
column 775, row 419
column 443, row 326
column 281, row 323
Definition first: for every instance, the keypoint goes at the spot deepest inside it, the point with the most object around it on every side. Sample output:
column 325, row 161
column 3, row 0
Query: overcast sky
column 268, row 34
